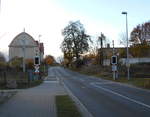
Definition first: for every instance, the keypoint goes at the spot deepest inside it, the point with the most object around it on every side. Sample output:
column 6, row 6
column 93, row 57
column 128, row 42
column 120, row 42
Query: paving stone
column 33, row 102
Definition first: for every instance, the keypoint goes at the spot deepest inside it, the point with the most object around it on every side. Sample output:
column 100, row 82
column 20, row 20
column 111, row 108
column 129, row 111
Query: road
column 104, row 98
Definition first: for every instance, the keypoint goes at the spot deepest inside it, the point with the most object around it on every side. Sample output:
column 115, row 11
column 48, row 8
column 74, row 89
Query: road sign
column 115, row 73
column 36, row 68
column 114, row 68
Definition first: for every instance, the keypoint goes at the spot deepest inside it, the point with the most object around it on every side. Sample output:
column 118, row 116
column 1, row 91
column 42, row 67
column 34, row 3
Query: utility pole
column 101, row 55
column 40, row 48
column 113, row 65
column 113, row 48
column 0, row 5
column 23, row 48
column 101, row 49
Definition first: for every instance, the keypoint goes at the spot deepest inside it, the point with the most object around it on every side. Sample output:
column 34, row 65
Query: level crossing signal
column 36, row 60
column 114, row 60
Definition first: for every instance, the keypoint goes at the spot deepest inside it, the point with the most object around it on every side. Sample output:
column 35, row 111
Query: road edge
column 78, row 103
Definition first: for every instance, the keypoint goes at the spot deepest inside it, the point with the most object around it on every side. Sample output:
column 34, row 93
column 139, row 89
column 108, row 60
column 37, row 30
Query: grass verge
column 138, row 82
column 66, row 107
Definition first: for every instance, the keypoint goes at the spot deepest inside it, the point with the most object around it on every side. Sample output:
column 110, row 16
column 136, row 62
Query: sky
column 48, row 18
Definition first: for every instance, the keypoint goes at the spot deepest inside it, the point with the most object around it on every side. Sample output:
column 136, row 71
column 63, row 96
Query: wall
column 107, row 62
column 135, row 60
column 29, row 52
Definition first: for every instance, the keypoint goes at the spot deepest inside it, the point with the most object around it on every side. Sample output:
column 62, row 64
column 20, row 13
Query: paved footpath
column 34, row 102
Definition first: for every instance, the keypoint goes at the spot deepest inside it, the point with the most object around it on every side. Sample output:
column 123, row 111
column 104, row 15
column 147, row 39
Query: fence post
column 5, row 78
column 29, row 75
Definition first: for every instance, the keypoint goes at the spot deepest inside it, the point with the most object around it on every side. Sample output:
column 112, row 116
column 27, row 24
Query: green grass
column 66, row 107
column 138, row 82
column 141, row 82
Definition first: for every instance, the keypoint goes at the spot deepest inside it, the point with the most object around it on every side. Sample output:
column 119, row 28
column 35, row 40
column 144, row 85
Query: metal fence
column 17, row 78
column 12, row 75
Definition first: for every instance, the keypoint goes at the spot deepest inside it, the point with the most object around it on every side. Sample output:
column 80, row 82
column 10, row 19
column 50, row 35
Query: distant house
column 121, row 53
column 108, row 52
column 25, row 45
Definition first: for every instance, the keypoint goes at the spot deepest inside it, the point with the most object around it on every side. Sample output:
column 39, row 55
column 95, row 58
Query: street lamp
column 127, row 61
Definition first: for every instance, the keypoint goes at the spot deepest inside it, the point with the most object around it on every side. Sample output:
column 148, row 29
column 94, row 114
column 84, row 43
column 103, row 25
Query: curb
column 11, row 90
column 78, row 103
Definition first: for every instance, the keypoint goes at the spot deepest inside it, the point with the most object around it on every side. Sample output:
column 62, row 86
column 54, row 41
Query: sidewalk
column 34, row 102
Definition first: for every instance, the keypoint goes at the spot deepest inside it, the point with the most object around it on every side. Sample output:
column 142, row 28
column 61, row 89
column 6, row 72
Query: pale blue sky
column 49, row 17
column 109, row 11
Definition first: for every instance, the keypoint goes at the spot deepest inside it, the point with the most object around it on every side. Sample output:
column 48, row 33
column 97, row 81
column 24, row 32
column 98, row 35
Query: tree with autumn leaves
column 140, row 39
column 49, row 60
column 75, row 41
column 141, row 34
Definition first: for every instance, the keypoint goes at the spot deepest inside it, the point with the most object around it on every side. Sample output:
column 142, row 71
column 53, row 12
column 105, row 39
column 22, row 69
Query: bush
column 147, row 84
column 30, row 64
column 16, row 62
column 140, row 70
column 3, row 65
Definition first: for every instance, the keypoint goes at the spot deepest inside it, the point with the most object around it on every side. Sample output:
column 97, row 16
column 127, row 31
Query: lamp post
column 127, row 60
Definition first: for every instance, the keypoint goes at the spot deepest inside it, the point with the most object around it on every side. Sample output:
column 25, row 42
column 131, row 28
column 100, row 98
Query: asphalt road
column 104, row 98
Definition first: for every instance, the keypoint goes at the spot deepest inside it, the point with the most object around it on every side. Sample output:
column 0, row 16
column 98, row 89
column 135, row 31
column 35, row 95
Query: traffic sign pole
column 114, row 63
column 114, row 69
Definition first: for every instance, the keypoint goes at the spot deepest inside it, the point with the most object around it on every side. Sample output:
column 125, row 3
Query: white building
column 24, row 45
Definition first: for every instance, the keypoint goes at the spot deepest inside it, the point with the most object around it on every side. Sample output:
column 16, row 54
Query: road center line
column 101, row 83
column 125, row 97
column 81, row 80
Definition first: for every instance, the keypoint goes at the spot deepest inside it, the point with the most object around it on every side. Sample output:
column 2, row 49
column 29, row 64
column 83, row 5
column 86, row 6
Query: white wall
column 135, row 60
column 30, row 53
column 107, row 62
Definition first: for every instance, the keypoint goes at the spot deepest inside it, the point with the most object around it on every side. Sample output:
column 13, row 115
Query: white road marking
column 51, row 82
column 81, row 80
column 125, row 97
column 101, row 83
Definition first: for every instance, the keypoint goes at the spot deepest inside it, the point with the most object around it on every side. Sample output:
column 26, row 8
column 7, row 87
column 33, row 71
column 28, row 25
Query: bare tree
column 123, row 39
column 100, row 41
column 2, row 57
column 60, row 59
